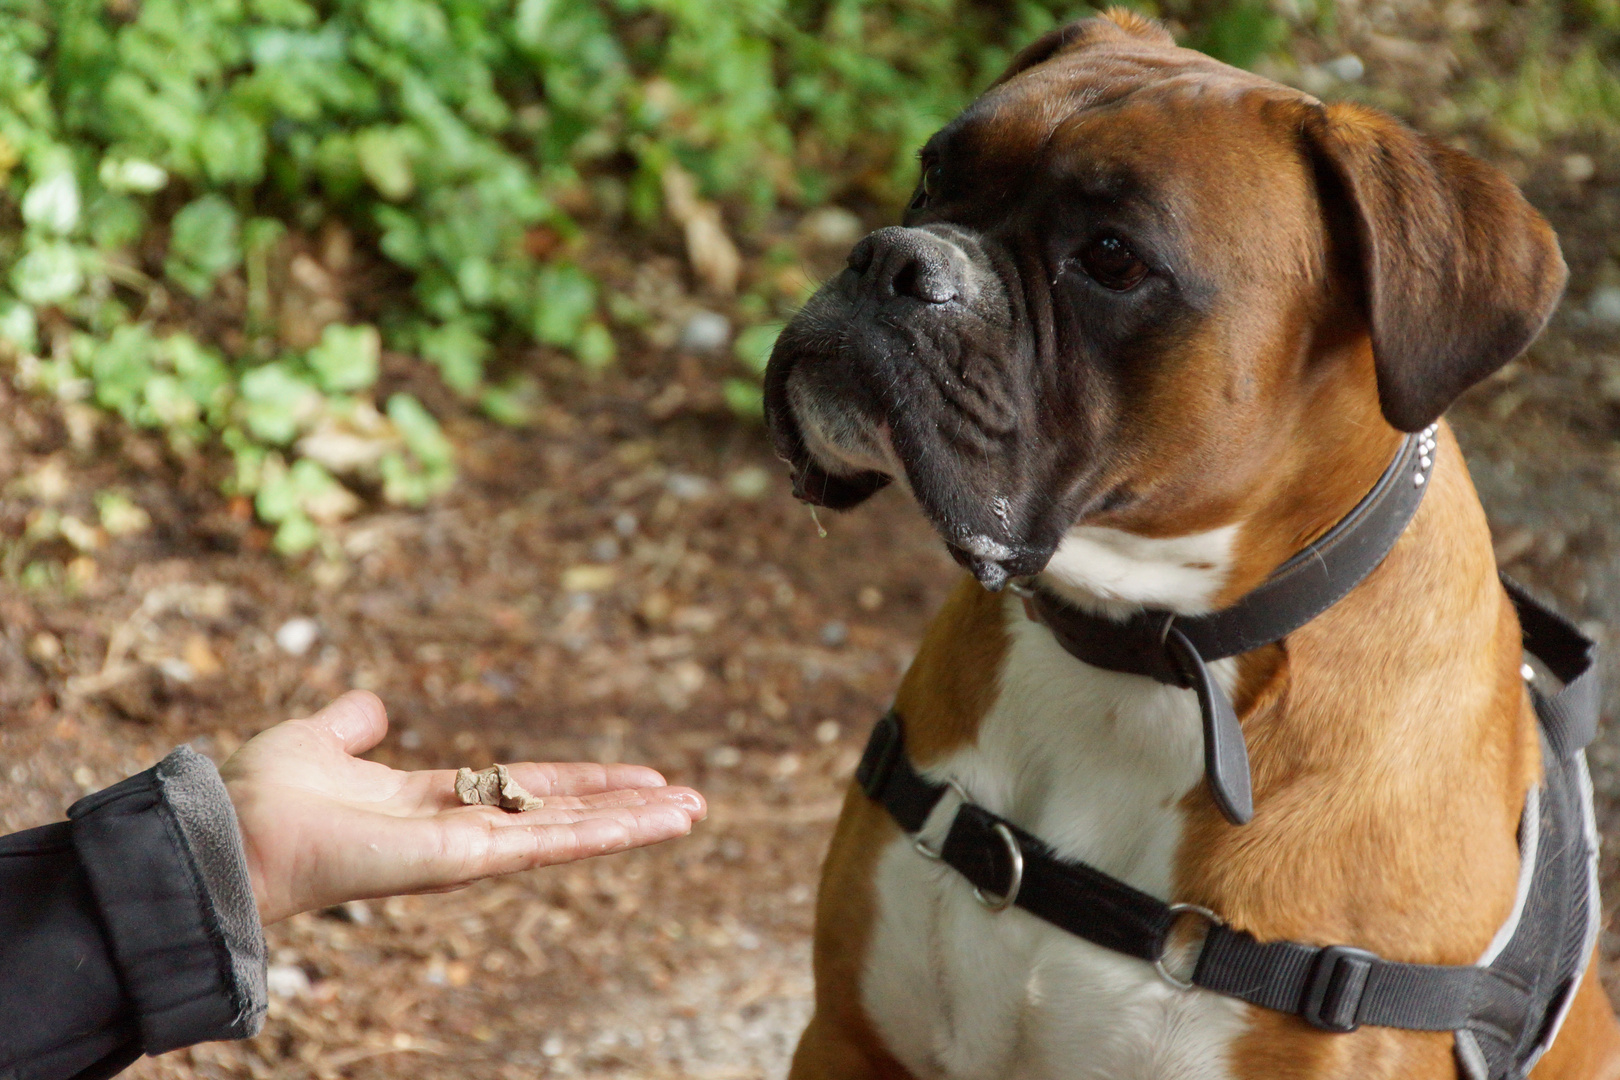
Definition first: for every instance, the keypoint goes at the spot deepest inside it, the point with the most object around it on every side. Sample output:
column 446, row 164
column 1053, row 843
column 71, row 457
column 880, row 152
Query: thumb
column 357, row 720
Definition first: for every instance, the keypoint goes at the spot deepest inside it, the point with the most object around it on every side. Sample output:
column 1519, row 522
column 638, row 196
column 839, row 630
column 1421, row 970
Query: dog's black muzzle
column 910, row 361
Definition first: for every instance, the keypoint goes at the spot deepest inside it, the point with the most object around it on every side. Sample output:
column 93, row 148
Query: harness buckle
column 1333, row 993
column 1212, row 922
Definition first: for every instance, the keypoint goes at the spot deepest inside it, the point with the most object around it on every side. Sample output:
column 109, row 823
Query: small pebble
column 499, row 682
column 705, row 332
column 831, row 227
column 1579, row 168
column 605, row 550
column 724, row 757
column 688, row 487
column 834, row 634
column 355, row 911
column 295, row 636
column 1346, row 68
column 286, row 981
column 411, row 739
column 625, row 524
column 749, row 482
column 1603, row 305
column 827, row 732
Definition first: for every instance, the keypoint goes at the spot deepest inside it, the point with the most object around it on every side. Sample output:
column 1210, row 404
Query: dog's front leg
column 839, row 1043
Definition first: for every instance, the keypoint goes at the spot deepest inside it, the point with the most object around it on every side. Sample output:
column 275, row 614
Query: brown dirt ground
column 610, row 584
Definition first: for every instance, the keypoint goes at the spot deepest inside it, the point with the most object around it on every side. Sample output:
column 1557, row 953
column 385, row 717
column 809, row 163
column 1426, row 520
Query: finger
column 358, row 720
column 684, row 797
column 582, row 778
column 523, row 847
column 414, row 855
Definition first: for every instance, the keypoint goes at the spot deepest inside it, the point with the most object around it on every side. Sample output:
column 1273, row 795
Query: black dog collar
column 1175, row 649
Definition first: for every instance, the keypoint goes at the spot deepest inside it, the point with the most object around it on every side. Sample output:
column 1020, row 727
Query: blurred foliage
column 164, row 148
column 1566, row 77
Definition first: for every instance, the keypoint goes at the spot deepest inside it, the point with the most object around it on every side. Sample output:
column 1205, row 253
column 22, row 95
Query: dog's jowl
column 1151, row 328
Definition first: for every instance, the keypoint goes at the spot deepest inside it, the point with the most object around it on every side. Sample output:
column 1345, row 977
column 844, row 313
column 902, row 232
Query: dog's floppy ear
column 1460, row 272
column 1115, row 24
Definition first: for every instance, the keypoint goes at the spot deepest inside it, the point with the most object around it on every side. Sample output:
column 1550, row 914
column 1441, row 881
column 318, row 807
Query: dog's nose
column 908, row 262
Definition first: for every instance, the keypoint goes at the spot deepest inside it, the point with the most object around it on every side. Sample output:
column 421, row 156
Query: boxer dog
column 1153, row 324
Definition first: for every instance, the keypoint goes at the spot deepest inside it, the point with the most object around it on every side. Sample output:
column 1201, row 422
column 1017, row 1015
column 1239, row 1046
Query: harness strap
column 1336, row 987
column 1570, row 716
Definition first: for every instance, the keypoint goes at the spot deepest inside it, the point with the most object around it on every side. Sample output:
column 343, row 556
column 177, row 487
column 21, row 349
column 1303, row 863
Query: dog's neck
column 1116, row 573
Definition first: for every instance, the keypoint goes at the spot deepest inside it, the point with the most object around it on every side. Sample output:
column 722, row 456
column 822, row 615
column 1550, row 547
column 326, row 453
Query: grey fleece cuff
column 164, row 856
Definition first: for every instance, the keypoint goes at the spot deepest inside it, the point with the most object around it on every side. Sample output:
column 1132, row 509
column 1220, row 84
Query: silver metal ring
column 1176, row 911
column 1164, row 631
column 1016, row 855
column 917, row 843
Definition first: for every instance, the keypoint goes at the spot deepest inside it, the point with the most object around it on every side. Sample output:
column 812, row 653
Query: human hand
column 321, row 826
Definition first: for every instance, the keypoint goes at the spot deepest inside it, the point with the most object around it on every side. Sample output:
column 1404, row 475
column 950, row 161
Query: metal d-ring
column 931, row 853
column 1015, row 855
column 1211, row 919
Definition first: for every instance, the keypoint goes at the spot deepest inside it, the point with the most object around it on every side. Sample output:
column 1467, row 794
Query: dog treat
column 494, row 786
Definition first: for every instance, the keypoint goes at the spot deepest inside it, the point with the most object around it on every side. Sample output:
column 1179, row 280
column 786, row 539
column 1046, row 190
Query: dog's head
column 1136, row 287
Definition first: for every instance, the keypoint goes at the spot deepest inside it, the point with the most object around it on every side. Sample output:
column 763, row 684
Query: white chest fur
column 1095, row 763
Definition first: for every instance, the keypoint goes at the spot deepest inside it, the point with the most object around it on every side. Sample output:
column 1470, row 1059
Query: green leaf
column 116, row 221
column 296, row 534
column 402, row 238
column 594, row 347
column 565, row 299
column 420, row 431
column 1243, row 32
column 231, row 146
column 276, row 404
column 48, row 273
column 121, row 367
column 18, row 327
column 132, row 175
column 52, row 204
column 753, row 346
column 385, row 157
column 431, row 466
column 458, row 350
column 745, row 398
column 512, row 404
column 346, row 358
column 204, row 242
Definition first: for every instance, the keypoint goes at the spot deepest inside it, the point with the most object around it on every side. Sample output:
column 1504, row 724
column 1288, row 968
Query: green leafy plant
column 154, row 157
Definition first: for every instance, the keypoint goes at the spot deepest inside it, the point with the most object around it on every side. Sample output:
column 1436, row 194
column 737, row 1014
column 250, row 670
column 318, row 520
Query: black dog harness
column 1505, row 1010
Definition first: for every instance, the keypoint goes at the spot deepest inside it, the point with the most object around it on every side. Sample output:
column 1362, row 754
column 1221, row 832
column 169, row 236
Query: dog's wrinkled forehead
column 1123, row 119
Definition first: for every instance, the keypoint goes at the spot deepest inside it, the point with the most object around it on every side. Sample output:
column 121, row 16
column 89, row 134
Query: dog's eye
column 1112, row 264
column 929, row 188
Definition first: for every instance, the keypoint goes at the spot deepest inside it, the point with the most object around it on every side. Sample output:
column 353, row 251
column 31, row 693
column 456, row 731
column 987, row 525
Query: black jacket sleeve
column 128, row 929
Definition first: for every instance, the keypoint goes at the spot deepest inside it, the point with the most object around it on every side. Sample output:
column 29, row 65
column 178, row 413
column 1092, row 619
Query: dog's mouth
column 842, row 452
column 823, row 480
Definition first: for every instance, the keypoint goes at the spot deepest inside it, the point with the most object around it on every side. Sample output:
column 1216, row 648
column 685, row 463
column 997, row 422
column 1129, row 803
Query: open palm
column 321, row 826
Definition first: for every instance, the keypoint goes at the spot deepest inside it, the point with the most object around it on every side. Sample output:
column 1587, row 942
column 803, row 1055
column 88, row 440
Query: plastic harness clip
column 1338, row 981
